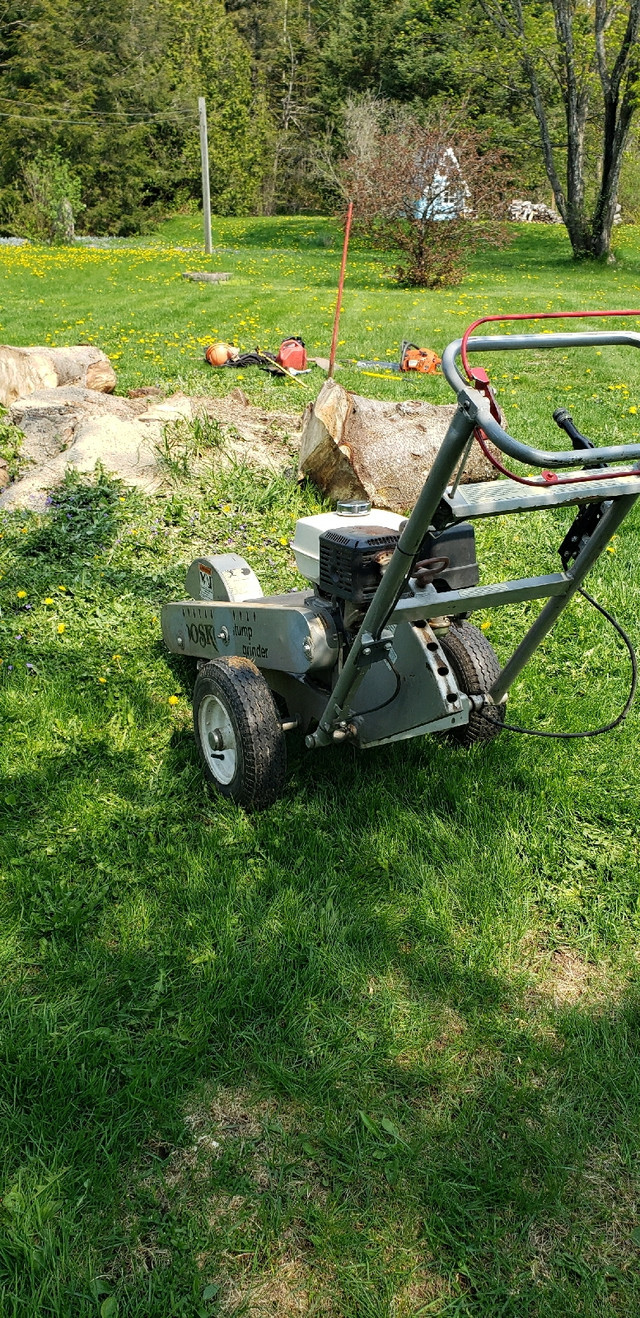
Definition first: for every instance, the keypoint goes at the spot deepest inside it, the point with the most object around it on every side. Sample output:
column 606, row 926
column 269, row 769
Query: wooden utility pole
column 204, row 157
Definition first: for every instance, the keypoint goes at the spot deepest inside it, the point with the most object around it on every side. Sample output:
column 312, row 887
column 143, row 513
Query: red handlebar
column 479, row 378
column 525, row 315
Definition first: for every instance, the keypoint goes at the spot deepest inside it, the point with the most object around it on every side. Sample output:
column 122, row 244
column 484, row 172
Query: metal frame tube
column 556, row 605
column 390, row 588
column 473, row 409
column 517, row 343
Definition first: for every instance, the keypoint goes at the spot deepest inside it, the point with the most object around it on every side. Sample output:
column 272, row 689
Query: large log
column 25, row 370
column 355, row 447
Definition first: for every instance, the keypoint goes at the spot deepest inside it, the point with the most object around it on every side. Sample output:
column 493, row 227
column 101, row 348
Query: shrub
column 430, row 190
column 54, row 201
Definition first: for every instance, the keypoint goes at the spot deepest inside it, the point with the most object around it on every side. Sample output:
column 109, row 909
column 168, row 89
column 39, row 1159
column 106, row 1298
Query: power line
column 127, row 114
column 94, row 123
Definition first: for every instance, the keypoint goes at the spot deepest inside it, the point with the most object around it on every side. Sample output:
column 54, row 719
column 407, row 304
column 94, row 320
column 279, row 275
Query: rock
column 323, row 363
column 238, row 395
column 145, row 391
column 25, row 370
column 4, row 473
column 355, row 447
column 207, row 276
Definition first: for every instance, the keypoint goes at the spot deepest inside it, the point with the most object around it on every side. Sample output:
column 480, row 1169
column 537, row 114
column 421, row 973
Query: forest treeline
column 103, row 96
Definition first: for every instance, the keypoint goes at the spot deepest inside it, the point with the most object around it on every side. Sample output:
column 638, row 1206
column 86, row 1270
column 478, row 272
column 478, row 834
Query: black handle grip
column 564, row 420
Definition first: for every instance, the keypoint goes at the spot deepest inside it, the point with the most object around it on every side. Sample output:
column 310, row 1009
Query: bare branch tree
column 427, row 190
column 590, row 47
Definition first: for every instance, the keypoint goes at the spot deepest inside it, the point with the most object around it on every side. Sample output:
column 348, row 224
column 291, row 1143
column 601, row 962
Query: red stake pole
column 345, row 248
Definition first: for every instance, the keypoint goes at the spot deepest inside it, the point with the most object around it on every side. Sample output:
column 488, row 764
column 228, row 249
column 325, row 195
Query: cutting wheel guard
column 491, row 428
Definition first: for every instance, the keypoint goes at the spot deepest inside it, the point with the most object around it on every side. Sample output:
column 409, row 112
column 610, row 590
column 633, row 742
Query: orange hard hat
column 218, row 353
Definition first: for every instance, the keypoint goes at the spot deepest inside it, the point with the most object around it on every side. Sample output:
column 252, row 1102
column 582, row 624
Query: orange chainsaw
column 423, row 360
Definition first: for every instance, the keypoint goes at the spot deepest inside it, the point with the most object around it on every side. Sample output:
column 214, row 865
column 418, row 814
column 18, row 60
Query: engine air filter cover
column 353, row 559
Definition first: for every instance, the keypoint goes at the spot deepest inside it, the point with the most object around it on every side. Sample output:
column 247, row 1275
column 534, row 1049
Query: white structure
column 447, row 196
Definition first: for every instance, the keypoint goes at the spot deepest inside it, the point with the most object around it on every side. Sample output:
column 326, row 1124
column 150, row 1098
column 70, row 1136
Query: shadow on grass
column 304, row 233
column 312, row 956
column 423, row 1130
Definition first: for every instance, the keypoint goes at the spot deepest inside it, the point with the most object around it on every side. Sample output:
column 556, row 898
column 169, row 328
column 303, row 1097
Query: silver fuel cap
column 353, row 507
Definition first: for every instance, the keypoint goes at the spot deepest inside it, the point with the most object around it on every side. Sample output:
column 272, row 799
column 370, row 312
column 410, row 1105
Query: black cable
column 102, row 123
column 592, row 732
column 359, row 713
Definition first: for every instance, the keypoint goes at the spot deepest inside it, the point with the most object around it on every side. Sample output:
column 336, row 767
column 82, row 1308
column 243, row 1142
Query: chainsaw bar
column 377, row 366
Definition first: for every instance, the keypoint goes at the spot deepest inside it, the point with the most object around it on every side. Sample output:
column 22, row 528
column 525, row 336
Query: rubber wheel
column 238, row 733
column 475, row 666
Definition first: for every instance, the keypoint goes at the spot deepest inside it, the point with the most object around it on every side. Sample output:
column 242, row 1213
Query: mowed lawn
column 375, row 1052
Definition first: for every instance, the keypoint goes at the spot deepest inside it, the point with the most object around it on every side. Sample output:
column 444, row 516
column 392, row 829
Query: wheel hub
column 218, row 738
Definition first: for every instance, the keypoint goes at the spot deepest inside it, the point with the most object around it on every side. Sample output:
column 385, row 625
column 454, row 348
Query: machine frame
column 395, row 678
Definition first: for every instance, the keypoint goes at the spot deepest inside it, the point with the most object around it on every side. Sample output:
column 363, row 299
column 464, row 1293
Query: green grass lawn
column 373, row 1053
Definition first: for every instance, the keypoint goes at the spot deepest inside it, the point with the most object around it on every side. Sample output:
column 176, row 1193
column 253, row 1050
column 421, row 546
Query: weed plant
column 10, row 445
column 185, row 441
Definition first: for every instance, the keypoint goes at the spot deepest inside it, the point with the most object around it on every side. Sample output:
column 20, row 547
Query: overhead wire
column 102, row 118
column 128, row 114
column 91, row 123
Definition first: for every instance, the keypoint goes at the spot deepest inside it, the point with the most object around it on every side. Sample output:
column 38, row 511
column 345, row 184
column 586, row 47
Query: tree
column 111, row 89
column 430, row 190
column 285, row 38
column 579, row 57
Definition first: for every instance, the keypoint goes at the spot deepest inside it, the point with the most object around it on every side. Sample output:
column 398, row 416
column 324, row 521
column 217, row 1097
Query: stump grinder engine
column 377, row 647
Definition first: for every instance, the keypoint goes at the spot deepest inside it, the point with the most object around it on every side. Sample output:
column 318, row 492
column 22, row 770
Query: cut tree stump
column 77, row 428
column 355, row 447
column 207, row 276
column 25, row 370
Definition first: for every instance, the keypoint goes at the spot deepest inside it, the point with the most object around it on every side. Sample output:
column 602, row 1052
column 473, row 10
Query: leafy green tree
column 113, row 88
column 54, row 198
column 286, row 39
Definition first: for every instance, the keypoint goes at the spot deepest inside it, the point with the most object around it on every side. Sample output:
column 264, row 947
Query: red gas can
column 293, row 355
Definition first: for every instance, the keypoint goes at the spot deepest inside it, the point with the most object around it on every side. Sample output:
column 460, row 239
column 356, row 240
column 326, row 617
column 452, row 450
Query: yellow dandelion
column 116, row 657
column 102, row 679
column 62, row 626
column 283, row 540
column 484, row 626
column 633, row 410
column 173, row 700
column 22, row 594
column 48, row 600
column 62, row 588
